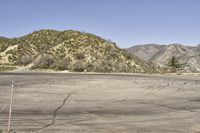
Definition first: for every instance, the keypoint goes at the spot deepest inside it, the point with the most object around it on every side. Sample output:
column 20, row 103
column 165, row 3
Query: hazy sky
column 126, row 22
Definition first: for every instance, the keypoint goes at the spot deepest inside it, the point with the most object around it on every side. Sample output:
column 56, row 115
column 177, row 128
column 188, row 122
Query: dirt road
column 81, row 103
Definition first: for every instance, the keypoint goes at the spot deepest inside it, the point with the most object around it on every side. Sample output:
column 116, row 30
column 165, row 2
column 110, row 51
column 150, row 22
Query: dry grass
column 6, row 68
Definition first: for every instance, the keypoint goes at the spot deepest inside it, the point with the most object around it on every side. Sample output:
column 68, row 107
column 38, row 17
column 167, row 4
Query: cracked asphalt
column 101, row 103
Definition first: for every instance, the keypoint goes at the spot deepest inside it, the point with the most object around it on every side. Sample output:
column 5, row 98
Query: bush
column 174, row 63
column 79, row 56
column 122, row 67
column 3, row 47
column 50, row 62
column 103, row 66
column 43, row 62
column 25, row 60
column 61, row 64
column 79, row 66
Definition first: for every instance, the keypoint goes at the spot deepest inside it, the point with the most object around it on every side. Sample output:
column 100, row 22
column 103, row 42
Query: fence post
column 11, row 101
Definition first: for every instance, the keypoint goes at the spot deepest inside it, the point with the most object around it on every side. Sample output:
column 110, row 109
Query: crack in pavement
column 54, row 114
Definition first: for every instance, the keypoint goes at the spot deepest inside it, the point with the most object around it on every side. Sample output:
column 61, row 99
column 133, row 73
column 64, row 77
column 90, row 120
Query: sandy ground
column 101, row 103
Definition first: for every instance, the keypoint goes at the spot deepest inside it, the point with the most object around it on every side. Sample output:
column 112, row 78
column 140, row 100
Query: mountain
column 145, row 52
column 70, row 50
column 196, row 49
column 178, row 57
column 172, row 58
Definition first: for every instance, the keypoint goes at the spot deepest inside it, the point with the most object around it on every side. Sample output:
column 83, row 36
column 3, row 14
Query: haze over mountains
column 172, row 58
column 69, row 50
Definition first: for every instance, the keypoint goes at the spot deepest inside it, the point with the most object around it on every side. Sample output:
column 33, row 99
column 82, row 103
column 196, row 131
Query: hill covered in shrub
column 70, row 50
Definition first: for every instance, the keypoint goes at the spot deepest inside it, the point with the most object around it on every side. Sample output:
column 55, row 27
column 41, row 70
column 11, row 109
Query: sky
column 126, row 22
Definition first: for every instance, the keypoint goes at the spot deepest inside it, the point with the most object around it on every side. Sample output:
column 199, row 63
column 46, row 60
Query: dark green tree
column 174, row 63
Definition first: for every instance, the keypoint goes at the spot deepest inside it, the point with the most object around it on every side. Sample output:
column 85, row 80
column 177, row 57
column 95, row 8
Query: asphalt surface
column 98, row 103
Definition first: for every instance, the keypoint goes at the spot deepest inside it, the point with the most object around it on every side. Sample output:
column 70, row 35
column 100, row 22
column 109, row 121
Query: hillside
column 145, row 52
column 70, row 50
column 3, row 43
column 176, row 57
column 172, row 58
column 3, row 39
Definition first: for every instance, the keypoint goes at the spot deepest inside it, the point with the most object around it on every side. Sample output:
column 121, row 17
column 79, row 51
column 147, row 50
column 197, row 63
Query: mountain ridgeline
column 70, row 50
column 171, row 58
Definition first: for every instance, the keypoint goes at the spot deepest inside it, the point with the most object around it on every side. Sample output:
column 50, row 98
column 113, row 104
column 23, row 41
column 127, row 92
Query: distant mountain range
column 70, row 50
column 145, row 52
column 171, row 58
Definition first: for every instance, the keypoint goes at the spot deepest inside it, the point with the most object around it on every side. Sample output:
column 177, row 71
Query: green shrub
column 174, row 63
column 3, row 47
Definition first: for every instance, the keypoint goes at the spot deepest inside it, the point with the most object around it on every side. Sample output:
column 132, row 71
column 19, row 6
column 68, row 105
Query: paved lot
column 80, row 103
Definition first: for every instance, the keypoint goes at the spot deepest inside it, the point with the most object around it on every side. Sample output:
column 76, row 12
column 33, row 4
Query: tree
column 25, row 60
column 43, row 62
column 174, row 63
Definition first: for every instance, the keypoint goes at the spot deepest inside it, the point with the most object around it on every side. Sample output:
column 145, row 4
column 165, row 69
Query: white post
column 11, row 101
